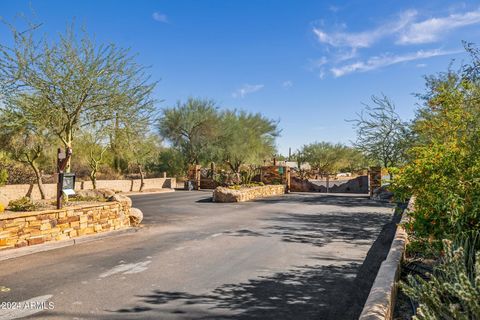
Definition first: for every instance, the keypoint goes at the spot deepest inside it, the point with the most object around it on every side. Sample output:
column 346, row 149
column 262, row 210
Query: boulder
column 106, row 193
column 136, row 216
column 100, row 193
column 88, row 193
column 382, row 194
column 121, row 198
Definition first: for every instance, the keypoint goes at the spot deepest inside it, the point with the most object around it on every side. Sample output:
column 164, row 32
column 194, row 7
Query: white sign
column 68, row 192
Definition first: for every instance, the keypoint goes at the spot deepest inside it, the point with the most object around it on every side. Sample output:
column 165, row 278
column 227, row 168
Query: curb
column 136, row 193
column 380, row 303
column 20, row 252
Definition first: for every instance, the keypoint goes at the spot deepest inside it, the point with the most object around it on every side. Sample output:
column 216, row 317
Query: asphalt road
column 298, row 256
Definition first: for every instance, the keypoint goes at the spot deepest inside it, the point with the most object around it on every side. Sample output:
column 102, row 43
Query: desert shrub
column 170, row 161
column 247, row 185
column 423, row 248
column 248, row 174
column 443, row 172
column 453, row 290
column 2, row 208
column 223, row 178
column 17, row 173
column 87, row 198
column 22, row 204
column 107, row 173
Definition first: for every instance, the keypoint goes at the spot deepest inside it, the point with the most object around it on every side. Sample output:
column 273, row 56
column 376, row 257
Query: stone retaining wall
column 20, row 229
column 380, row 303
column 15, row 191
column 221, row 194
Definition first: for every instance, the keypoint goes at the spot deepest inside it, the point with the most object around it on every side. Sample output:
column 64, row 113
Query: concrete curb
column 20, row 252
column 380, row 303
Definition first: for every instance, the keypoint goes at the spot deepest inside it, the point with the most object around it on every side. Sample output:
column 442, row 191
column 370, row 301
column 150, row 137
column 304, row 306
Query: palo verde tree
column 245, row 138
column 192, row 128
column 324, row 157
column 73, row 82
column 144, row 149
column 24, row 141
column 93, row 148
column 381, row 134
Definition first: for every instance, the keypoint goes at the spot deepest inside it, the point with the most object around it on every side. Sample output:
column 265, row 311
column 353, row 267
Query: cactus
column 453, row 290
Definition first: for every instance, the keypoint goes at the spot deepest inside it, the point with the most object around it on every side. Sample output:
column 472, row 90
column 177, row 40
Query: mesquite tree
column 381, row 134
column 73, row 82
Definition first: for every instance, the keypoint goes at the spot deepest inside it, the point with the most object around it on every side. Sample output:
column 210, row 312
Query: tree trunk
column 67, row 143
column 93, row 178
column 38, row 177
column 29, row 192
column 142, row 178
column 114, row 143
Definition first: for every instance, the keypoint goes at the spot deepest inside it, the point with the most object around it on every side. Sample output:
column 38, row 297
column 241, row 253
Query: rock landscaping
column 225, row 194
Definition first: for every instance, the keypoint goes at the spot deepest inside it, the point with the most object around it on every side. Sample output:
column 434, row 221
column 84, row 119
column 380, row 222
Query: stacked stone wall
column 20, row 229
column 222, row 194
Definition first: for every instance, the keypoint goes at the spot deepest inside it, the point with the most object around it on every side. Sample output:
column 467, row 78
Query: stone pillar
column 288, row 177
column 374, row 179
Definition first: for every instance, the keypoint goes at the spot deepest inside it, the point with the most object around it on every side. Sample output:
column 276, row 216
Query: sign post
column 62, row 160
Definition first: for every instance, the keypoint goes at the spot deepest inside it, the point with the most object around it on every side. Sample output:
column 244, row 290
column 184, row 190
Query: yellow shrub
column 2, row 208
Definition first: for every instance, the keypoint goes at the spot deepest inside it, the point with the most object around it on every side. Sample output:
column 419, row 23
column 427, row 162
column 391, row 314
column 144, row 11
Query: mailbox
column 68, row 184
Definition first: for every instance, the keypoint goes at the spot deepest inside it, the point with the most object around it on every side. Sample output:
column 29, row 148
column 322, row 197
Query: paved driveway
column 298, row 256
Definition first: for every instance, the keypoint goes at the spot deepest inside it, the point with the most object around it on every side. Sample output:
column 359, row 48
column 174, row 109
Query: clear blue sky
column 309, row 64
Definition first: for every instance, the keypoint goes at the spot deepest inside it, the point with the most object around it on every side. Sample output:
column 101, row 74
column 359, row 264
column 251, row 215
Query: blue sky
column 309, row 64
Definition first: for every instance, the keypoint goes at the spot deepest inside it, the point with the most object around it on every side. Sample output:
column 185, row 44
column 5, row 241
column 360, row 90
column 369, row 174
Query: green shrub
column 3, row 177
column 423, row 248
column 22, row 204
column 453, row 290
column 443, row 171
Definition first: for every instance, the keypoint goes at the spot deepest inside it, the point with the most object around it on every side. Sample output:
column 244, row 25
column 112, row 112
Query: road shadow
column 205, row 200
column 342, row 200
column 321, row 229
column 302, row 293
column 337, row 291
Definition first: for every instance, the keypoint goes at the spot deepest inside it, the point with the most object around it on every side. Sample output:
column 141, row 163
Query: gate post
column 374, row 179
column 197, row 176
